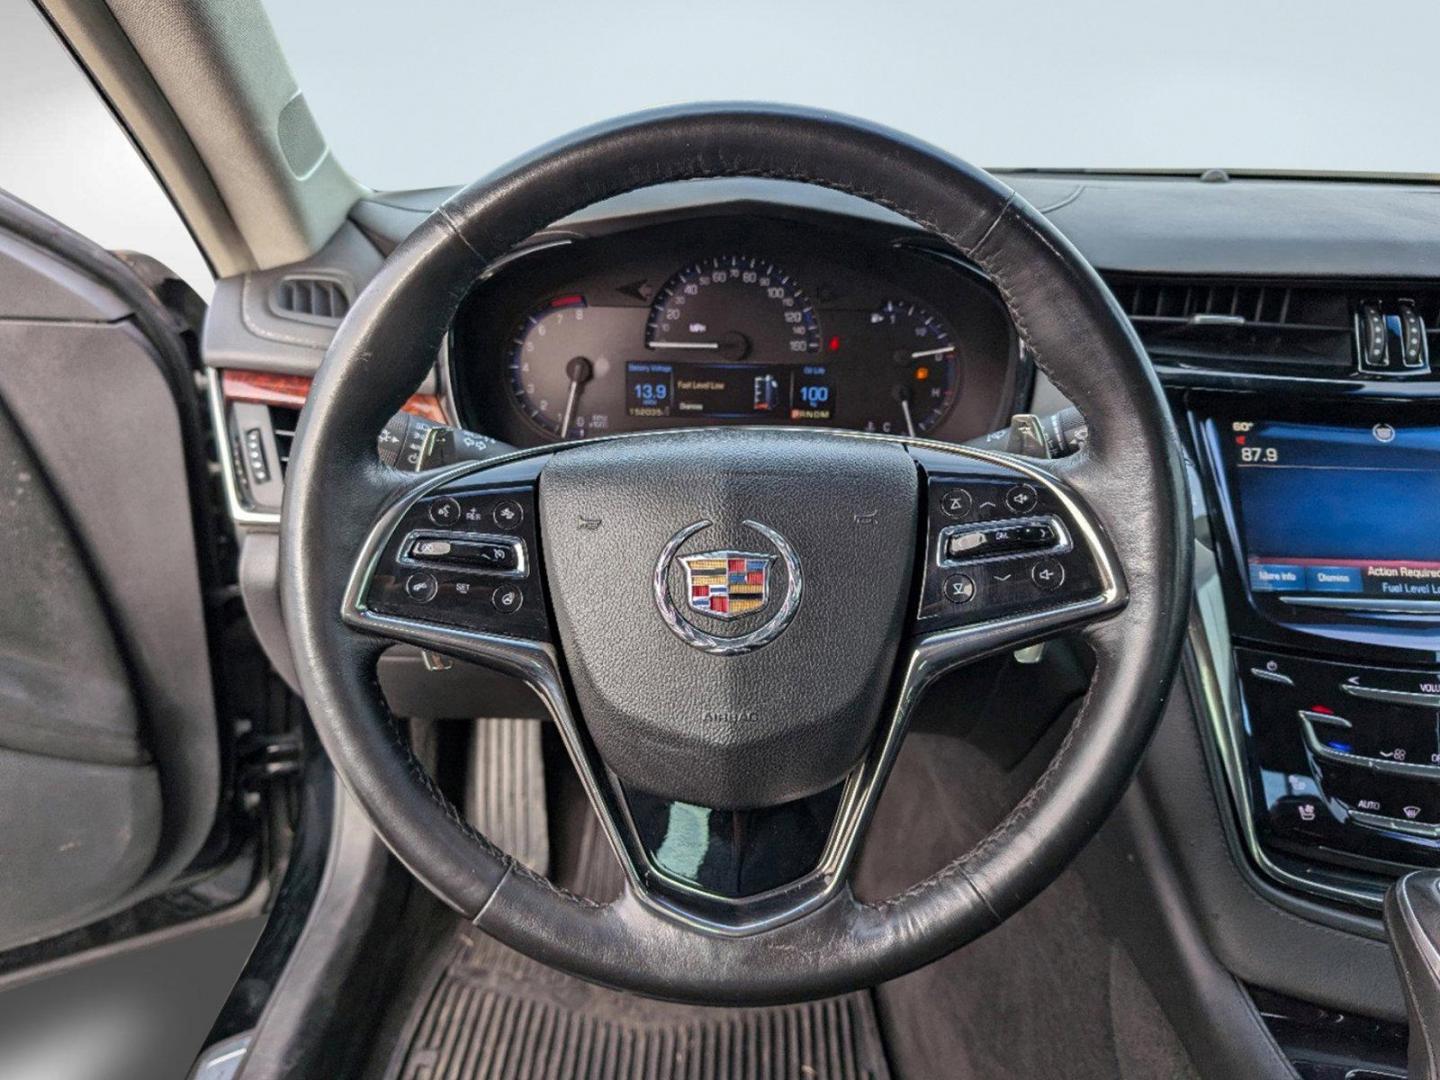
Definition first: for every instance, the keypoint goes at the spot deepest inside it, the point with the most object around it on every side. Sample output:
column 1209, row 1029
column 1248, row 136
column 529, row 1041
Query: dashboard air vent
column 310, row 299
column 283, row 422
column 1242, row 325
column 1257, row 327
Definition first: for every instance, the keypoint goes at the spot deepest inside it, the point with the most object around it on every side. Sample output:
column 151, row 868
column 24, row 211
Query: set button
column 1301, row 813
column 1412, row 802
column 982, row 543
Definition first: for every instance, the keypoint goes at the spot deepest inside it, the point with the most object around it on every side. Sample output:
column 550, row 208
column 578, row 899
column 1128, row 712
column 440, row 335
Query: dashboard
column 736, row 316
column 1276, row 784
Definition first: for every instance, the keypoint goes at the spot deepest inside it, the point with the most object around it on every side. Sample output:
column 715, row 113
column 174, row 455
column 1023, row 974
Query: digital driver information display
column 754, row 392
column 1342, row 515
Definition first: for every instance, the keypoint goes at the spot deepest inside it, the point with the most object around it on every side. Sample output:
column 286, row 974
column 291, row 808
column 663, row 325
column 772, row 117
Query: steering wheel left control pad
column 466, row 555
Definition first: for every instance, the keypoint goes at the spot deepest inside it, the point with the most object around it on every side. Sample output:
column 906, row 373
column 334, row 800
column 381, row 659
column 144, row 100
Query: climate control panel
column 1346, row 757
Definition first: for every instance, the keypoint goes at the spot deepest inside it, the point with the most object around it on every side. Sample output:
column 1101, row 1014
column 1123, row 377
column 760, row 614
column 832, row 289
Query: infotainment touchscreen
column 1337, row 517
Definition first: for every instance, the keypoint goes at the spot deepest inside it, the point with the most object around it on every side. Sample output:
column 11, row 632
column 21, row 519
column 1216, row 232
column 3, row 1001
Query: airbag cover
column 774, row 724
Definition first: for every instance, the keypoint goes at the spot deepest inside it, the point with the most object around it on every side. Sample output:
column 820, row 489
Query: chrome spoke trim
column 1215, row 687
column 923, row 660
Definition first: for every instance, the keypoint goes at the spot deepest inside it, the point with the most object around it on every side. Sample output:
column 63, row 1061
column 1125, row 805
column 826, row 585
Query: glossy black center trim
column 734, row 853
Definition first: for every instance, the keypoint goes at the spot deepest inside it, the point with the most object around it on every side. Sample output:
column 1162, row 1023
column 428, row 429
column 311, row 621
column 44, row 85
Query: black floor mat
column 492, row 1013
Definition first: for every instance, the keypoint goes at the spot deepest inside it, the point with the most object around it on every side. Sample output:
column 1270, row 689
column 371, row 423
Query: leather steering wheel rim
column 1131, row 473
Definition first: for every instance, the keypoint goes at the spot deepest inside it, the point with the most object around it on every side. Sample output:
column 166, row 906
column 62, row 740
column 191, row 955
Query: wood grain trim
column 290, row 391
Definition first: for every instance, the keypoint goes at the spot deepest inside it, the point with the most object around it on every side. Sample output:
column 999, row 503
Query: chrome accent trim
column 269, row 520
column 1060, row 547
column 1360, row 603
column 1175, row 374
column 1380, row 821
column 1324, row 718
column 530, row 247
column 1392, row 697
column 240, row 514
column 1381, row 765
column 931, row 656
column 1272, row 676
column 1217, row 696
column 514, row 543
column 742, row 643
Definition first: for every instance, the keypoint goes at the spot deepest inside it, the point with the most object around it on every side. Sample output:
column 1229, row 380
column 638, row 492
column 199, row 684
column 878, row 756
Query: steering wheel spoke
column 452, row 565
column 1011, row 555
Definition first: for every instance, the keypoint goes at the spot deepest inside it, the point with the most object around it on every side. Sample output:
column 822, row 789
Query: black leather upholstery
column 1131, row 473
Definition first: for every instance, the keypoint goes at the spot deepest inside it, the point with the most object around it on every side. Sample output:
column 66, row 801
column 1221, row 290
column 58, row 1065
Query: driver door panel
column 109, row 749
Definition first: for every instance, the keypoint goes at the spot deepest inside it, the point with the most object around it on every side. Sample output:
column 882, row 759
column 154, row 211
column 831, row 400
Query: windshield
column 435, row 92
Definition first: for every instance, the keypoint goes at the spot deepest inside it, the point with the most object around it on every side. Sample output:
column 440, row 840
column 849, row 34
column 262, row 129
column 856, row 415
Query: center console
column 1324, row 623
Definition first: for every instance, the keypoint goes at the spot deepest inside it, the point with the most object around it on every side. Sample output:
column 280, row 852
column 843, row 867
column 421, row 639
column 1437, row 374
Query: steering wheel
column 731, row 626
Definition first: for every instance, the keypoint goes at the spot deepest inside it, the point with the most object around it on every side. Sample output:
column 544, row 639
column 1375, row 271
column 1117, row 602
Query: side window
column 62, row 151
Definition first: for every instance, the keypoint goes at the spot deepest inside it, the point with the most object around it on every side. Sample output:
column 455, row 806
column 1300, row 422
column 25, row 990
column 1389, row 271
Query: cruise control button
column 959, row 588
column 956, row 502
column 421, row 587
column 1048, row 575
column 507, row 599
column 461, row 551
column 508, row 514
column 1021, row 499
column 445, row 511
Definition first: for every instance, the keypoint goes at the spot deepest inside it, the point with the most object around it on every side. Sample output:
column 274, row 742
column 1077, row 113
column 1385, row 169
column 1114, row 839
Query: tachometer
column 550, row 365
column 733, row 307
column 921, row 369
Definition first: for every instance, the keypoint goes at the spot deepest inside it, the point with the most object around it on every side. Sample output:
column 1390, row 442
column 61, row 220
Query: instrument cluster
column 734, row 318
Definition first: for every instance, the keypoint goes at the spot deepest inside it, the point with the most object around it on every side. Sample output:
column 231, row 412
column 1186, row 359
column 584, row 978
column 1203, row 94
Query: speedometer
column 733, row 307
